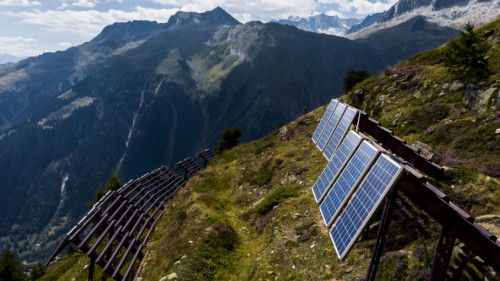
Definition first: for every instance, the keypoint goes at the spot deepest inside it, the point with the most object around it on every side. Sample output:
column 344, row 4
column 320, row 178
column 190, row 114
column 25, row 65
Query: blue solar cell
column 364, row 203
column 347, row 181
column 330, row 126
column 340, row 132
column 336, row 164
column 324, row 120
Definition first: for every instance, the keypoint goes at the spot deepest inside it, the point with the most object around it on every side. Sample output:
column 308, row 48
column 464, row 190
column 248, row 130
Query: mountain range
column 323, row 23
column 144, row 94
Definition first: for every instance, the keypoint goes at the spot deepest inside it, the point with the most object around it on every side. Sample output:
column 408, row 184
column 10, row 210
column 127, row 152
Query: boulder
column 368, row 101
column 456, row 86
column 358, row 96
column 484, row 97
column 470, row 96
column 425, row 149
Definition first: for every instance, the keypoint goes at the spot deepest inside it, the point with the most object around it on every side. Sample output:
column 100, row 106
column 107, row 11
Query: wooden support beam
column 385, row 221
column 444, row 250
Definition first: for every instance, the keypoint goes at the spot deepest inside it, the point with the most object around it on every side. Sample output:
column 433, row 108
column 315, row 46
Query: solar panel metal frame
column 373, row 209
column 340, row 132
column 324, row 120
column 353, row 187
column 332, row 123
column 350, row 153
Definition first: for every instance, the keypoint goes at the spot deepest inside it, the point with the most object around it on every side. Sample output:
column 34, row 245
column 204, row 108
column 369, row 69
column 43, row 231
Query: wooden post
column 444, row 250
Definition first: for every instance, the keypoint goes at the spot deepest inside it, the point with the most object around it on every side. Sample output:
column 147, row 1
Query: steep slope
column 411, row 26
column 369, row 20
column 251, row 214
column 141, row 95
column 409, row 38
column 445, row 13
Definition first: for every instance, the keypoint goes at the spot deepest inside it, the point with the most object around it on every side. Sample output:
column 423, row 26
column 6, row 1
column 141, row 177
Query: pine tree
column 10, row 267
column 465, row 56
column 37, row 271
column 229, row 140
column 353, row 77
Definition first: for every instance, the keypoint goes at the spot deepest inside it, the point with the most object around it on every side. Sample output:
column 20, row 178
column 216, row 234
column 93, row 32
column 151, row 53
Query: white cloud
column 24, row 3
column 85, row 3
column 63, row 6
column 64, row 44
column 89, row 22
column 361, row 6
column 19, row 46
column 169, row 2
column 247, row 10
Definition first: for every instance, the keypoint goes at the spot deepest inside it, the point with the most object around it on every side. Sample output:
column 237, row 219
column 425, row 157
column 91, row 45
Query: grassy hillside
column 251, row 214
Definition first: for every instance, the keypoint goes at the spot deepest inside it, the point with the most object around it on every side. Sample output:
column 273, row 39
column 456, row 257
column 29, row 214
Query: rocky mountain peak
column 123, row 32
column 217, row 16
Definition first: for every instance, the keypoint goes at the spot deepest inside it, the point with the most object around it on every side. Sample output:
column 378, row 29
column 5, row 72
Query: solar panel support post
column 381, row 234
column 444, row 250
column 91, row 269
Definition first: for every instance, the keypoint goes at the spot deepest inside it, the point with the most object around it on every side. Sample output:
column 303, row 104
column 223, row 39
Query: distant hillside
column 6, row 58
column 251, row 214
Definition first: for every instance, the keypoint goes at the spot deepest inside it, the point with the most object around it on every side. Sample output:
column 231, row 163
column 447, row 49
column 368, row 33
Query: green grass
column 276, row 197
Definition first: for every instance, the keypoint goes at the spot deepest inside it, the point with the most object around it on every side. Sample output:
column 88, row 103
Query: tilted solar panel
column 340, row 132
column 347, row 181
column 336, row 164
column 330, row 126
column 375, row 186
column 324, row 120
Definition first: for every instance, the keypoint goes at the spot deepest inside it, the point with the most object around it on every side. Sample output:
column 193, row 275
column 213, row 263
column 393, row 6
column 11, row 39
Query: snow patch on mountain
column 332, row 25
column 477, row 12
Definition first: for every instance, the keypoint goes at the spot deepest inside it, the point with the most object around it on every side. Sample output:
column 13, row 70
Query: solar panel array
column 349, row 206
column 207, row 155
column 340, row 132
column 330, row 126
column 363, row 204
column 324, row 120
column 347, row 181
column 335, row 166
column 118, row 226
column 189, row 166
column 349, row 189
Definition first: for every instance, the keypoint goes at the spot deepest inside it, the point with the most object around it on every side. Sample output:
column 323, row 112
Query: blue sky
column 31, row 27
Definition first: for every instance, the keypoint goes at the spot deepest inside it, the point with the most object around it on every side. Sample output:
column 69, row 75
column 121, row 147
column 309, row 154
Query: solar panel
column 347, row 181
column 363, row 204
column 336, row 164
column 340, row 132
column 324, row 120
column 330, row 126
